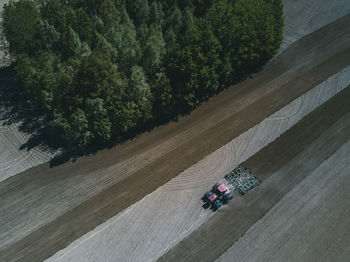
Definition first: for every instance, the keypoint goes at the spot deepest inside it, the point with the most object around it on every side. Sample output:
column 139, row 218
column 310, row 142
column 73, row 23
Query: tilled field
column 12, row 159
column 43, row 210
column 310, row 161
column 304, row 17
column 311, row 223
column 59, row 191
column 173, row 211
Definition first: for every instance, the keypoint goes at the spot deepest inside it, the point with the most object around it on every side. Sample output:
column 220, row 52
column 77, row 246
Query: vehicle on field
column 240, row 180
column 219, row 195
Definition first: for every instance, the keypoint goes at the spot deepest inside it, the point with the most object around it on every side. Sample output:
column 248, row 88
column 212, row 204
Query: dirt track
column 282, row 165
column 58, row 190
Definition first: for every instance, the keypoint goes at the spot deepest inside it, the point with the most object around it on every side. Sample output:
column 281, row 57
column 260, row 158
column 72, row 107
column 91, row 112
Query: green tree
column 175, row 20
column 78, row 131
column 37, row 73
column 54, row 13
column 65, row 95
column 99, row 122
column 138, row 83
column 48, row 35
column 164, row 102
column 123, row 37
column 139, row 11
column 106, row 47
column 19, row 26
column 72, row 46
column 97, row 76
column 154, row 51
column 101, row 69
column 157, row 14
column 81, row 23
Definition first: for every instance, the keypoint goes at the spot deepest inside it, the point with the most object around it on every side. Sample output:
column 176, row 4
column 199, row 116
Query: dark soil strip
column 214, row 237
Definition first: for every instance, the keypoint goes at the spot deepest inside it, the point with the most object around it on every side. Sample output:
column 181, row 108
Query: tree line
column 103, row 68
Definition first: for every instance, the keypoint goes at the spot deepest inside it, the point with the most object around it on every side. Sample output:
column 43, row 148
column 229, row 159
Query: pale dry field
column 160, row 220
column 311, row 223
column 304, row 17
column 282, row 165
column 14, row 160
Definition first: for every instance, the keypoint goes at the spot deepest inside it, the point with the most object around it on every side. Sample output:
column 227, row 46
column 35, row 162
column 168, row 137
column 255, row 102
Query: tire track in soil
column 315, row 138
column 180, row 212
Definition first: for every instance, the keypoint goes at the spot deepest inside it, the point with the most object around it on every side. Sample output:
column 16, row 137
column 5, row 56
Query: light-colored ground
column 303, row 17
column 12, row 159
column 160, row 220
column 282, row 165
column 311, row 223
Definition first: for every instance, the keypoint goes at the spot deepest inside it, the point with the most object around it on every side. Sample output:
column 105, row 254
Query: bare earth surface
column 156, row 223
column 304, row 17
column 12, row 159
column 309, row 148
column 311, row 223
column 52, row 199
column 43, row 210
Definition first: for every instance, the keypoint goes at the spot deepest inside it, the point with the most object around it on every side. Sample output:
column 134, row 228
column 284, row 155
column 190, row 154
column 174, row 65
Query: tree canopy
column 103, row 68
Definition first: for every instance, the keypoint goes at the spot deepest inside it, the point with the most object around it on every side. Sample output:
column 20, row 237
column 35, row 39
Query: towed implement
column 240, row 179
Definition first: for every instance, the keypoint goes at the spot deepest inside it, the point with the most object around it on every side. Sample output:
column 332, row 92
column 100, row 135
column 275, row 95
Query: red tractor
column 220, row 194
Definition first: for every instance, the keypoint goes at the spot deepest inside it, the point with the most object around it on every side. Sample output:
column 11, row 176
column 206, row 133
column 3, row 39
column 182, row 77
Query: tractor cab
column 223, row 191
column 240, row 179
column 220, row 194
column 222, row 188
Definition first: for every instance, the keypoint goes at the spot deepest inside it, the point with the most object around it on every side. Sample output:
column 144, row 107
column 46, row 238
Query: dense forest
column 103, row 68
